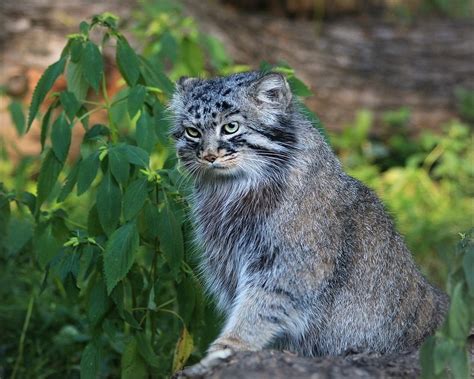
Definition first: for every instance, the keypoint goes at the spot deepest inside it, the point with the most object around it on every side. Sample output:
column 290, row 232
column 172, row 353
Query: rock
column 271, row 364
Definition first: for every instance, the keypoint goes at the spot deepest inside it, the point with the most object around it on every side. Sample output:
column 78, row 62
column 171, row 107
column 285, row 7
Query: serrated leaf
column 137, row 156
column 87, row 172
column 45, row 244
column 90, row 361
column 44, row 85
column 127, row 62
column 133, row 365
column 61, row 138
column 69, row 183
column 183, row 350
column 98, row 302
column 49, row 172
column 75, row 80
column 92, row 65
column 118, row 163
column 119, row 254
column 136, row 98
column 16, row 114
column 135, row 197
column 70, row 104
column 109, row 203
column 171, row 237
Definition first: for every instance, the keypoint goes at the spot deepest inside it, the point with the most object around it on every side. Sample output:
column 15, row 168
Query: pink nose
column 210, row 157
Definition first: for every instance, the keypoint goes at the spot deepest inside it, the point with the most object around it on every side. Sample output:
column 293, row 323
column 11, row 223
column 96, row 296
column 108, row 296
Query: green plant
column 117, row 250
column 446, row 352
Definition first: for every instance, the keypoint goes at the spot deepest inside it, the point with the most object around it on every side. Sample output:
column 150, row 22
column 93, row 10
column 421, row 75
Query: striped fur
column 298, row 254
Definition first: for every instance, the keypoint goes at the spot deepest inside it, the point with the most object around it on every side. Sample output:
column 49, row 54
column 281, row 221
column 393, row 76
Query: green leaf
column 98, row 302
column 458, row 318
column 92, row 65
column 127, row 62
column 119, row 254
column 136, row 98
column 118, row 163
column 133, row 365
column 45, row 125
column 186, row 298
column 146, row 350
column 70, row 182
column 298, row 87
column 135, row 197
column 75, row 80
column 137, row 156
column 98, row 130
column 109, row 203
column 49, row 172
column 70, row 104
column 171, row 237
column 61, row 137
column 460, row 363
column 44, row 85
column 155, row 78
column 468, row 266
column 45, row 244
column 77, row 47
column 20, row 231
column 183, row 350
column 442, row 351
column 161, row 122
column 145, row 132
column 193, row 56
column 16, row 113
column 90, row 361
column 84, row 27
column 87, row 172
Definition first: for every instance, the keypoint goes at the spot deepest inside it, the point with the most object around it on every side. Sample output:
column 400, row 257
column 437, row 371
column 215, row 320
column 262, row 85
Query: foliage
column 447, row 351
column 97, row 268
column 116, row 253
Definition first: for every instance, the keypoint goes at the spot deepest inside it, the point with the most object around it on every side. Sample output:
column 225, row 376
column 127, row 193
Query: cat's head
column 238, row 126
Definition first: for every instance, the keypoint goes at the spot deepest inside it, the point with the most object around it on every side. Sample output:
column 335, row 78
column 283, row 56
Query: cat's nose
column 210, row 157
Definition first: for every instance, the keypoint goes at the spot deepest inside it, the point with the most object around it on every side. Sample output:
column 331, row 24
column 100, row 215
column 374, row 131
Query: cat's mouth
column 220, row 165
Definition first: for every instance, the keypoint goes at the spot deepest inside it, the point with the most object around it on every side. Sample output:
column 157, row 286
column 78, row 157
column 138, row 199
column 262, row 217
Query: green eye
column 193, row 132
column 231, row 127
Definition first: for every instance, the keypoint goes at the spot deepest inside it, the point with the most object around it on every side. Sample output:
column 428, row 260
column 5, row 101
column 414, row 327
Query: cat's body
column 298, row 254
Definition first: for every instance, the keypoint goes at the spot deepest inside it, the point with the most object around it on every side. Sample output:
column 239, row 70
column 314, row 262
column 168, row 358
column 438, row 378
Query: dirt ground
column 349, row 63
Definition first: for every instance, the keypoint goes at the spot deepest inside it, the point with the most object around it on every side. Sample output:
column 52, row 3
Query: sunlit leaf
column 183, row 350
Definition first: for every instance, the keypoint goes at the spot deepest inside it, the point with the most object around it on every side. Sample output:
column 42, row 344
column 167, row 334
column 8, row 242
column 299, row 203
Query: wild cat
column 298, row 254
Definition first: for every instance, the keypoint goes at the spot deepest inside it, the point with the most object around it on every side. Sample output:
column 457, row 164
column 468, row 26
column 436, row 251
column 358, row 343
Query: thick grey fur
column 298, row 254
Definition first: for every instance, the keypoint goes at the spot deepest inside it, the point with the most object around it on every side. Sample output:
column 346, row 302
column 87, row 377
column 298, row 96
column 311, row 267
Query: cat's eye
column 192, row 132
column 231, row 127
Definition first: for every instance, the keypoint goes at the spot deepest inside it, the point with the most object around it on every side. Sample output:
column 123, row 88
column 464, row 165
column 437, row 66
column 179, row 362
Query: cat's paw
column 211, row 360
column 229, row 343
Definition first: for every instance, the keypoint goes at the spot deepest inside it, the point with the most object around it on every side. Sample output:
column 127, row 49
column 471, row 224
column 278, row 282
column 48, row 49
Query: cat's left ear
column 185, row 82
column 272, row 90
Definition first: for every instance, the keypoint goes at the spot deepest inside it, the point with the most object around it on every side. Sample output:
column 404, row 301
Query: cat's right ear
column 185, row 82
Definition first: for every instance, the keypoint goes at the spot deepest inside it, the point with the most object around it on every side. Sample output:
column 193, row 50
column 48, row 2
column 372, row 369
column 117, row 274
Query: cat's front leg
column 260, row 315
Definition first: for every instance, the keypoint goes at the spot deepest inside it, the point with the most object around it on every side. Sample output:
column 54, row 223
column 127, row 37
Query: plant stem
column 21, row 344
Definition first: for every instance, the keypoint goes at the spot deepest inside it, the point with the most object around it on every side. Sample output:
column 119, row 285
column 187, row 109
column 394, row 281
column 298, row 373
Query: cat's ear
column 185, row 82
column 272, row 90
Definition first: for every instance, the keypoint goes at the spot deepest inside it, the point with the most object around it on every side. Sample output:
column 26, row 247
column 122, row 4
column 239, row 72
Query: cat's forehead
column 214, row 96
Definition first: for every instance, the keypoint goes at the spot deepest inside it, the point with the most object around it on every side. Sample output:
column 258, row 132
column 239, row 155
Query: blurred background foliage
column 62, row 317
